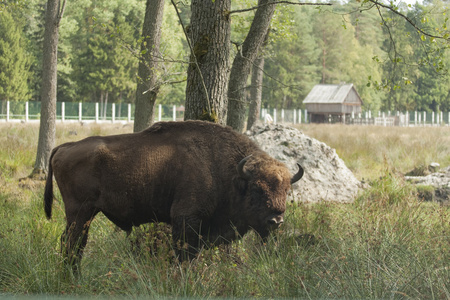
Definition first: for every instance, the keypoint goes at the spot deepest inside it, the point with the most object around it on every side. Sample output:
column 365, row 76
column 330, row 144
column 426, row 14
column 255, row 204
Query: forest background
column 392, row 65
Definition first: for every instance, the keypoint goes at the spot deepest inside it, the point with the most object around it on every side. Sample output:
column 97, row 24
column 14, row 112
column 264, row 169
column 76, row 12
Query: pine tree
column 14, row 60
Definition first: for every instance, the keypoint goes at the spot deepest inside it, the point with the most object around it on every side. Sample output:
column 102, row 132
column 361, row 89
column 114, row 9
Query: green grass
column 387, row 244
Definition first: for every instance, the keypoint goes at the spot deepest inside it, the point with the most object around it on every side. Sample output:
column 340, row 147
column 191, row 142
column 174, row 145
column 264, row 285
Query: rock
column 438, row 179
column 423, row 170
column 434, row 167
column 326, row 177
column 440, row 183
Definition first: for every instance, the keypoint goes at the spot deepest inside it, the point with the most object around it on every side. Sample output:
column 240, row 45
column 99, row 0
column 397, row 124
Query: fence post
column 174, row 112
column 159, row 112
column 274, row 116
column 80, row 108
column 129, row 113
column 282, row 115
column 7, row 111
column 96, row 112
column 299, row 116
column 63, row 111
column 113, row 113
column 26, row 112
column 295, row 116
column 306, row 116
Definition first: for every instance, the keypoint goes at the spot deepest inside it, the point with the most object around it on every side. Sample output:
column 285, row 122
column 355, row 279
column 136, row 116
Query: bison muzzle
column 209, row 182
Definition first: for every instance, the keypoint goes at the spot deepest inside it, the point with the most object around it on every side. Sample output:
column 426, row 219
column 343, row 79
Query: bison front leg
column 187, row 237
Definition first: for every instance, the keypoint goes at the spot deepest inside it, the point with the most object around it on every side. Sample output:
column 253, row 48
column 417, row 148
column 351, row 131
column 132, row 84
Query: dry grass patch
column 364, row 149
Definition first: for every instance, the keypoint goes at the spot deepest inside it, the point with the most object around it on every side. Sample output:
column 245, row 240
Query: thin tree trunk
column 147, row 87
column 243, row 62
column 255, row 92
column 120, row 104
column 101, row 104
column 47, row 127
column 207, row 78
column 105, row 110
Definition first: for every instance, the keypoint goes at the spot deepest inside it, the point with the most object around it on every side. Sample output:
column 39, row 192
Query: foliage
column 387, row 244
column 292, row 63
column 14, row 60
column 392, row 65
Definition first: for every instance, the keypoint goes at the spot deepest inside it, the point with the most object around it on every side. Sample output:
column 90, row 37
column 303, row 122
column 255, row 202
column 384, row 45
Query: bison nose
column 275, row 221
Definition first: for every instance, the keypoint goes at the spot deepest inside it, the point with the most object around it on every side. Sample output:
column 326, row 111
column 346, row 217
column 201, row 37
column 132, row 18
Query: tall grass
column 387, row 244
column 364, row 148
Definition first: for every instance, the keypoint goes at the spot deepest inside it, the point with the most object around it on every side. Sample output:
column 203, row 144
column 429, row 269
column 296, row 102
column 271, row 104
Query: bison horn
column 297, row 176
column 240, row 168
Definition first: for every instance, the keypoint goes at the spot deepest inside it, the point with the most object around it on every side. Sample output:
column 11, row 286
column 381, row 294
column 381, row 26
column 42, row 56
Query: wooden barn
column 332, row 103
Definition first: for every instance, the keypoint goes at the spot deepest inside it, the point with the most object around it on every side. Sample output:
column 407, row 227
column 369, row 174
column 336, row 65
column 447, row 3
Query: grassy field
column 367, row 149
column 387, row 244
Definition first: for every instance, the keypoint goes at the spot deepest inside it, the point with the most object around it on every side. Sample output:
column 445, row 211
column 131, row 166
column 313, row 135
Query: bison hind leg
column 74, row 240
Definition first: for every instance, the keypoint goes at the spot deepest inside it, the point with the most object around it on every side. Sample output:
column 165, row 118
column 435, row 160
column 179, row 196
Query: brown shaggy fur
column 182, row 173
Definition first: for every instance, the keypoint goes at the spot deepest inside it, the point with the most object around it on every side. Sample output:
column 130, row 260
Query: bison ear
column 244, row 174
column 297, row 176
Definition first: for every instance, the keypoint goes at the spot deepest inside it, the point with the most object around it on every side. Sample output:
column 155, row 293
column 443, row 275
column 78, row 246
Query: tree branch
column 274, row 3
column 407, row 19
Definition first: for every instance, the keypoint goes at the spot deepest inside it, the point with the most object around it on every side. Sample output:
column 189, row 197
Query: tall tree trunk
column 243, row 62
column 53, row 15
column 255, row 92
column 207, row 78
column 147, row 87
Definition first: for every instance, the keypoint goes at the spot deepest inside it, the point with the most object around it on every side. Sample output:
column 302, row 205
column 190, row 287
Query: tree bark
column 147, row 86
column 47, row 127
column 255, row 92
column 105, row 110
column 207, row 78
column 243, row 62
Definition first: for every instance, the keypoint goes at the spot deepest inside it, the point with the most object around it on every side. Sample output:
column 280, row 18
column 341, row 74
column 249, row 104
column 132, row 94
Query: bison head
column 268, row 182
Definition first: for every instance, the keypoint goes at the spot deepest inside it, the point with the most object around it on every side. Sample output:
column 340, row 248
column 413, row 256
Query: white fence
column 113, row 112
column 84, row 112
column 122, row 112
column 404, row 119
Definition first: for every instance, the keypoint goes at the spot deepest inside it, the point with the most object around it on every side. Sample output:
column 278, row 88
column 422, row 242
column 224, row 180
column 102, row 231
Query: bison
column 208, row 181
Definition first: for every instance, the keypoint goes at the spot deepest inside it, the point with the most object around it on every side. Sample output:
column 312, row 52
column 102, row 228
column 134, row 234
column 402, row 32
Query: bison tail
column 48, row 192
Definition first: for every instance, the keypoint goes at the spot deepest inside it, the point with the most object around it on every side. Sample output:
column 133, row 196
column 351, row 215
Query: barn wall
column 333, row 108
column 352, row 98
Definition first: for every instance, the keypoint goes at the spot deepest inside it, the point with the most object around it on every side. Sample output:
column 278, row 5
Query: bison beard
column 209, row 182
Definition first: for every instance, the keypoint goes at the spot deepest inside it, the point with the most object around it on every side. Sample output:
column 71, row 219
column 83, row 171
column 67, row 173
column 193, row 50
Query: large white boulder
column 326, row 177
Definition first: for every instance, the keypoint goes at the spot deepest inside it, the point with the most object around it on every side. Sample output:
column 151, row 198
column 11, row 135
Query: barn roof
column 330, row 93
